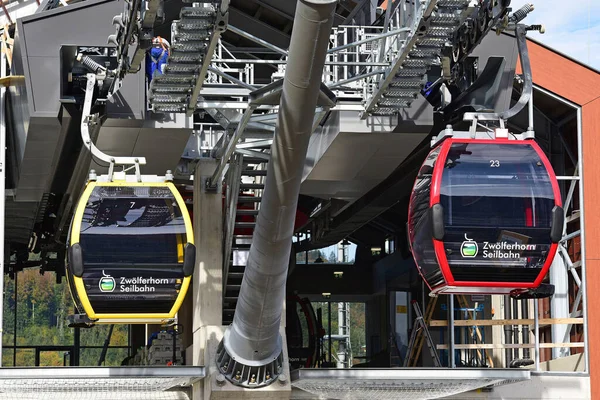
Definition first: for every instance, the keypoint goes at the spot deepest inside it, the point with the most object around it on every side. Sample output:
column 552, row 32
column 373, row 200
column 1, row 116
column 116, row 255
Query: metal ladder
column 194, row 39
column 419, row 333
column 345, row 345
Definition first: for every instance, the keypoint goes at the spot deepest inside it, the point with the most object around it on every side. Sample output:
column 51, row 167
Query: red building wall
column 581, row 85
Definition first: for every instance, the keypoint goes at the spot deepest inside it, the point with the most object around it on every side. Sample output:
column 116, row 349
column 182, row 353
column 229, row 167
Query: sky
column 572, row 27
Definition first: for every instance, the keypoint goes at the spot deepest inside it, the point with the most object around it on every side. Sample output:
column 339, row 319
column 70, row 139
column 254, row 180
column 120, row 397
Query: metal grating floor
column 98, row 383
column 399, row 383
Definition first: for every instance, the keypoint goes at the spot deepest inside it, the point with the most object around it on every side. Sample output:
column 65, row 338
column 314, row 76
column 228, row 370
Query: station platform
column 99, row 383
column 399, row 383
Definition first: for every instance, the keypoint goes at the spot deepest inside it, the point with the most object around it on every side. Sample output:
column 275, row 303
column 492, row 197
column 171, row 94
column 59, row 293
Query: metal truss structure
column 376, row 71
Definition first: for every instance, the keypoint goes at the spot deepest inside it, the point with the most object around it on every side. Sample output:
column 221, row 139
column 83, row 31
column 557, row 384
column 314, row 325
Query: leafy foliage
column 42, row 307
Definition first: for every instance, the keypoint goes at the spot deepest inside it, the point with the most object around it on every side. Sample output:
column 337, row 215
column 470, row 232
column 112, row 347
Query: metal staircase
column 442, row 32
column 382, row 69
column 194, row 39
column 245, row 182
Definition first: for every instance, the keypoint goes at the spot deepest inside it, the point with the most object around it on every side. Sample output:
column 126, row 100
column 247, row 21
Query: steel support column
column 251, row 353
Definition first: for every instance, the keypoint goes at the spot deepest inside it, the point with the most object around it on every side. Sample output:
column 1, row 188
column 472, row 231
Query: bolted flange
column 247, row 373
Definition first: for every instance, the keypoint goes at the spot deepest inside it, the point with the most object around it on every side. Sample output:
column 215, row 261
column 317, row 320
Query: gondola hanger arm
column 87, row 120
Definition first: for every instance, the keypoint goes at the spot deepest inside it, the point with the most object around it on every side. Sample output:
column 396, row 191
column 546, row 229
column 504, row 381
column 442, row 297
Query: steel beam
column 234, row 105
column 254, row 154
column 368, row 40
column 218, row 174
column 220, row 27
column 258, row 29
column 338, row 63
column 256, row 40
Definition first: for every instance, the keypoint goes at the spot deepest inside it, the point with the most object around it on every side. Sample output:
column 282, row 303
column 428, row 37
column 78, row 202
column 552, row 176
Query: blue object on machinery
column 427, row 89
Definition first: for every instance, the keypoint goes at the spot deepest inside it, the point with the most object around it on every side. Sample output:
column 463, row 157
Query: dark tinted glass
column 498, row 203
column 420, row 221
column 132, row 225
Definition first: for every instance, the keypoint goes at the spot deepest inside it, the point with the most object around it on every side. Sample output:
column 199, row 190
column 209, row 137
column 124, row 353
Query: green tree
column 42, row 308
column 332, row 257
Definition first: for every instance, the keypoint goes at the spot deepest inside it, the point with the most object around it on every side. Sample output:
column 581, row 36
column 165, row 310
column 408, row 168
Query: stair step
column 252, row 186
column 197, row 24
column 235, row 280
column 254, row 172
column 168, row 108
column 404, row 83
column 411, row 72
column 242, row 240
column 173, row 79
column 243, row 225
column 249, row 199
column 176, row 68
column 228, row 313
column 394, row 102
column 195, row 46
column 168, row 97
column 182, row 56
column 254, row 160
column 170, row 88
column 246, row 212
column 240, row 246
column 385, row 111
column 203, row 10
column 230, row 299
column 233, row 287
column 453, row 3
column 186, row 36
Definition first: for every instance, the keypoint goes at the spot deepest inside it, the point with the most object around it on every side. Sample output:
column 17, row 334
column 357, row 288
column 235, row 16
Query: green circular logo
column 469, row 248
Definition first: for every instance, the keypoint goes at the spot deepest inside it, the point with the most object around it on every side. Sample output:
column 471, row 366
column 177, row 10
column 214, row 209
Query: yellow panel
column 401, row 309
column 184, row 212
column 184, row 288
column 83, row 297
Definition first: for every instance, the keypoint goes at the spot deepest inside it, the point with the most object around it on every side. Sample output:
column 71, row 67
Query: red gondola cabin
column 485, row 216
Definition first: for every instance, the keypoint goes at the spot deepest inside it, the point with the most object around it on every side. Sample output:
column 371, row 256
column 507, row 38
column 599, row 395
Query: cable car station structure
column 173, row 162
